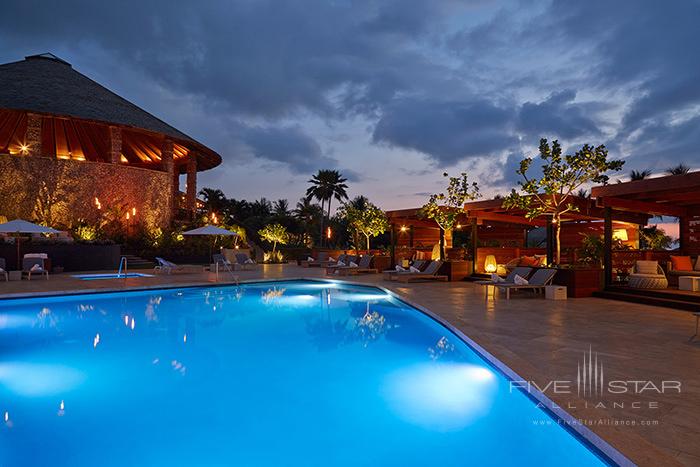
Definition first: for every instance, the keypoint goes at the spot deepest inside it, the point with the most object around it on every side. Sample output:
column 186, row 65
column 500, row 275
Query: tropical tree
column 445, row 208
column 307, row 214
column 326, row 185
column 280, row 208
column 214, row 200
column 552, row 194
column 654, row 238
column 364, row 218
column 640, row 174
column 680, row 169
column 274, row 233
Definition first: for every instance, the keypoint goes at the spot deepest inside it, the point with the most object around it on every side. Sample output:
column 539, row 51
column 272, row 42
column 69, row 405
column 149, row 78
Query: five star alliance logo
column 589, row 375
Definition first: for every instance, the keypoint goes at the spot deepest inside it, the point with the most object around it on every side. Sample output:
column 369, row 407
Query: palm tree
column 583, row 193
column 215, row 200
column 640, row 174
column 680, row 169
column 307, row 213
column 326, row 185
column 281, row 208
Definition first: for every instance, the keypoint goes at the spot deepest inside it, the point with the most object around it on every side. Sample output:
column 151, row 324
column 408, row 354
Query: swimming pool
column 286, row 373
column 95, row 277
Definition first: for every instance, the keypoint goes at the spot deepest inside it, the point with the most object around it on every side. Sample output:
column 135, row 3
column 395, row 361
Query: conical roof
column 45, row 84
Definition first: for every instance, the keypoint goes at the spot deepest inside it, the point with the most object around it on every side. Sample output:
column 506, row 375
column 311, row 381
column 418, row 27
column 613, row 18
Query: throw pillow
column 647, row 267
column 520, row 280
column 681, row 263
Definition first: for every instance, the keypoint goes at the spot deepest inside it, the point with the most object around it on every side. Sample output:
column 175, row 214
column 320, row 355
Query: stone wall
column 62, row 193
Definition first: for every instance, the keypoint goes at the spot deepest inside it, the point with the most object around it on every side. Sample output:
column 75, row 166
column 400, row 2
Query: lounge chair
column 3, row 270
column 245, row 261
column 363, row 267
column 315, row 263
column 222, row 262
column 166, row 266
column 343, row 261
column 521, row 271
column 418, row 264
column 34, row 266
column 430, row 273
column 537, row 282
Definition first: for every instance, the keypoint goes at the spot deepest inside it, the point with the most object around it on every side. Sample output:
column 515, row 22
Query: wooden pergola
column 587, row 210
column 673, row 195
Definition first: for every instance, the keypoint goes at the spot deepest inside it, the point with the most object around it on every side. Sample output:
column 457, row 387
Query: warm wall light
column 403, row 228
column 24, row 149
column 620, row 234
column 490, row 264
column 459, row 226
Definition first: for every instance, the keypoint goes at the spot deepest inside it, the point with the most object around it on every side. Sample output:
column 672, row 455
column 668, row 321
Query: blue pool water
column 270, row 374
column 95, row 277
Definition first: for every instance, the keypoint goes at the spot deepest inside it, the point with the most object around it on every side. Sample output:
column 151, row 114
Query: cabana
column 674, row 196
column 510, row 229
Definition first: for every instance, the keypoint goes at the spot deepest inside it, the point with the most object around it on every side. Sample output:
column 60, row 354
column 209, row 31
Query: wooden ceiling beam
column 505, row 218
column 644, row 207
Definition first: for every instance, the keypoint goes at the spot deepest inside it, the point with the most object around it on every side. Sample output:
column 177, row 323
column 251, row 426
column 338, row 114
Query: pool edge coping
column 600, row 447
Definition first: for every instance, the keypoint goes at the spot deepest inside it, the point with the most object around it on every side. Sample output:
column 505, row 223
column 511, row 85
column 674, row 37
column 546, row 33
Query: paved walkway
column 542, row 341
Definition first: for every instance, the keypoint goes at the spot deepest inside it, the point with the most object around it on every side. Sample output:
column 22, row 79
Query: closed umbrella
column 19, row 226
column 211, row 230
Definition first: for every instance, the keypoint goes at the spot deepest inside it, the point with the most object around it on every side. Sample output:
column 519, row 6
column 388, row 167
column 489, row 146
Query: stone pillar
column 115, row 145
column 191, row 199
column 168, row 166
column 32, row 138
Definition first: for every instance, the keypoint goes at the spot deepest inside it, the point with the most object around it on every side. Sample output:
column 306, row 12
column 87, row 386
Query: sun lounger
column 363, row 267
column 315, row 263
column 245, row 261
column 418, row 264
column 343, row 261
column 521, row 271
column 3, row 270
column 430, row 273
column 169, row 267
column 221, row 261
column 34, row 266
column 537, row 282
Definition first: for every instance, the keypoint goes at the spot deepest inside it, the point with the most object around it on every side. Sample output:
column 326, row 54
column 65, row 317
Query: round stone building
column 71, row 149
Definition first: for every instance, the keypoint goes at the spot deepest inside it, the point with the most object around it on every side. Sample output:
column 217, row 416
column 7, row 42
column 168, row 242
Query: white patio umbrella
column 210, row 230
column 19, row 226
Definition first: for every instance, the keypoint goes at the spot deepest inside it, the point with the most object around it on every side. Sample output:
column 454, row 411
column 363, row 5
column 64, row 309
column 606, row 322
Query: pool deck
column 541, row 340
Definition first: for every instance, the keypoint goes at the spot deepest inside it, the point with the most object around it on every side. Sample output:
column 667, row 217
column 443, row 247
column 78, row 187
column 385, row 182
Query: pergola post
column 475, row 242
column 191, row 198
column 550, row 241
column 682, row 230
column 442, row 245
column 410, row 236
column 115, row 145
column 32, row 138
column 607, row 246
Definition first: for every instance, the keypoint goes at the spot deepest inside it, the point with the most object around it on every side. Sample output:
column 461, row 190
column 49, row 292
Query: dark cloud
column 559, row 115
column 452, row 80
column 444, row 130
column 288, row 145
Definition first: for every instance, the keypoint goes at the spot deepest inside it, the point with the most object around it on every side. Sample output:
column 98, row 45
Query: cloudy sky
column 391, row 93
